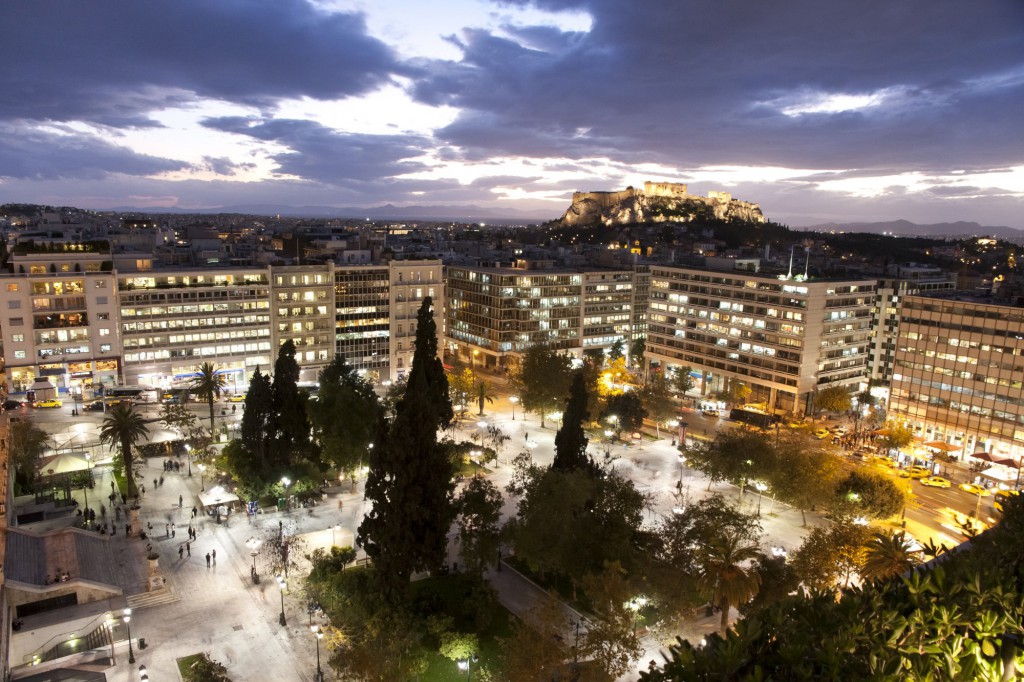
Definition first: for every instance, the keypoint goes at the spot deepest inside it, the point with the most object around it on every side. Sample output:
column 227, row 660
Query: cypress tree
column 410, row 479
column 571, row 440
column 291, row 425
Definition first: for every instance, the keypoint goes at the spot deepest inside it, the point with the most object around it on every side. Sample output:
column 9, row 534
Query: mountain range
column 905, row 228
column 457, row 213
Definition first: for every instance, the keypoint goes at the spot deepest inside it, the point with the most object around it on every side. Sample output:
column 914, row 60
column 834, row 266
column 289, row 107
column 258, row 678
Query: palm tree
column 723, row 577
column 482, row 394
column 208, row 386
column 124, row 426
column 888, row 555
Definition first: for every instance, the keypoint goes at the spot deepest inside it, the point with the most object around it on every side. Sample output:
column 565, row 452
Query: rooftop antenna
column 807, row 261
column 790, row 275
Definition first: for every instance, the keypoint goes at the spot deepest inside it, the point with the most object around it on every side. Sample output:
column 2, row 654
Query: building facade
column 302, row 311
column 782, row 338
column 958, row 374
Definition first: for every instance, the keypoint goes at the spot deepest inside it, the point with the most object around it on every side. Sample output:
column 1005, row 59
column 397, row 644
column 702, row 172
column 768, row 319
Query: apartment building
column 493, row 313
column 958, row 373
column 784, row 338
column 362, row 298
column 60, row 327
column 410, row 281
column 302, row 311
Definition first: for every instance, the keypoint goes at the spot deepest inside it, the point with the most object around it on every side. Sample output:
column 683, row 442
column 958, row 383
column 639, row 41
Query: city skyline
column 816, row 112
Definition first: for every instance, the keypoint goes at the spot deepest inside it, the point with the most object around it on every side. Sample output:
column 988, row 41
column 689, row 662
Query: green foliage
column 571, row 440
column 735, row 392
column 628, row 409
column 26, row 444
column 867, row 493
column 208, row 385
column 534, row 650
column 291, row 440
column 545, row 376
column 483, row 394
column 617, row 350
column 637, row 350
column 833, row 399
column 202, row 668
column 804, row 471
column 178, row 418
column 123, row 427
column 897, row 436
column 735, row 455
column 410, row 479
column 681, row 380
column 888, row 555
column 830, row 555
column 345, row 415
column 479, row 508
column 459, row 646
column 250, row 458
column 656, row 396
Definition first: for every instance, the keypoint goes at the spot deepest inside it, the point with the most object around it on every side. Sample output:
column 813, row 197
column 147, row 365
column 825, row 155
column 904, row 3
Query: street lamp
column 202, row 482
column 282, row 583
column 318, row 633
column 285, row 481
column 613, row 420
column 513, row 399
column 682, row 462
column 188, row 458
column 761, row 487
column 127, row 619
column 253, row 544
column 465, row 664
column 636, row 604
column 482, row 426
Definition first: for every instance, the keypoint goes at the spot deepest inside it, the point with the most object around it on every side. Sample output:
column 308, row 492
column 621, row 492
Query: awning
column 881, row 432
column 63, row 464
column 944, row 447
column 986, row 457
column 216, row 496
column 997, row 474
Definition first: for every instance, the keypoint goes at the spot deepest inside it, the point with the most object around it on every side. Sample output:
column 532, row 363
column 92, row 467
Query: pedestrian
column 180, row 501
column 207, row 559
column 194, row 512
column 188, row 548
column 167, row 530
column 113, row 530
column 161, row 480
column 172, row 532
column 181, row 552
column 127, row 529
column 214, row 557
column 154, row 484
column 143, row 488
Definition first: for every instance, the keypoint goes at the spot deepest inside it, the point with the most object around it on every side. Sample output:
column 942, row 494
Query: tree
column 479, row 510
column 737, row 455
column 483, row 394
column 866, row 493
column 617, row 350
column 829, row 555
column 628, row 410
column 290, row 425
column 460, row 387
column 459, row 646
column 637, row 350
column 888, row 555
column 735, row 392
column 657, row 400
column 208, row 385
column 123, row 427
column 571, row 440
column 804, row 472
column 545, row 376
column 410, row 479
column 344, row 416
column 610, row 638
column 682, row 382
column 724, row 577
column 179, row 418
column 897, row 436
column 535, row 650
column 833, row 399
column 250, row 458
column 26, row 444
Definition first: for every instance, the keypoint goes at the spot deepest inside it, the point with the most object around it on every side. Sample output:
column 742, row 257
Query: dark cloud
column 35, row 155
column 701, row 82
column 107, row 61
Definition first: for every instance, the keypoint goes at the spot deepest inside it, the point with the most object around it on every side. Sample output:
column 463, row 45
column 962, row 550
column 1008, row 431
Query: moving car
column 935, row 482
column 237, row 398
column 51, row 402
column 94, row 406
column 822, row 434
column 884, row 462
column 916, row 472
column 839, row 430
column 1002, row 496
column 12, row 404
column 974, row 488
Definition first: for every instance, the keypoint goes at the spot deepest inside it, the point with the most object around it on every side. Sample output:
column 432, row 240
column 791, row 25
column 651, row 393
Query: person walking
column 180, row 501
column 207, row 559
column 194, row 512
column 188, row 548
column 167, row 530
column 181, row 551
column 214, row 552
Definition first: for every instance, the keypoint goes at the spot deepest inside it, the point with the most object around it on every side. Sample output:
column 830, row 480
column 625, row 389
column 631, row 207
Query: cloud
column 118, row 59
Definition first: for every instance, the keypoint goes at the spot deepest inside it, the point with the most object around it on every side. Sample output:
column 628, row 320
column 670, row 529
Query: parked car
column 915, row 472
column 881, row 461
column 935, row 482
column 94, row 406
column 12, row 404
column 51, row 402
column 708, row 412
column 840, row 430
column 974, row 489
column 822, row 433
column 237, row 398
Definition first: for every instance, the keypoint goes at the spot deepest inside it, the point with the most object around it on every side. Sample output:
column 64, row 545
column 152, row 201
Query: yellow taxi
column 915, row 472
column 52, row 402
column 974, row 489
column 935, row 482
column 1002, row 496
column 822, row 434
column 237, row 398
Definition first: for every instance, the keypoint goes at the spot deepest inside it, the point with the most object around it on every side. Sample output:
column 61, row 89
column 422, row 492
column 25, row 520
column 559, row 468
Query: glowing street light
column 319, row 634
column 513, row 399
column 282, row 584
column 202, row 482
column 761, row 487
column 127, row 619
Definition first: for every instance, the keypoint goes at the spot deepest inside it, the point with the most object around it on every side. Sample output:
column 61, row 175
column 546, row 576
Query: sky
column 818, row 111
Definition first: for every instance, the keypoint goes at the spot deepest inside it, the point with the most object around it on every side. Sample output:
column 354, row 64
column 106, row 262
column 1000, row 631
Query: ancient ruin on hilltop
column 657, row 202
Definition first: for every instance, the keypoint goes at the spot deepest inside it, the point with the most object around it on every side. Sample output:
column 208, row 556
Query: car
column 51, row 402
column 94, row 406
column 796, row 424
column 916, row 472
column 12, row 404
column 935, row 482
column 1002, row 496
column 974, row 489
column 237, row 398
column 885, row 462
column 708, row 412
column 822, row 434
column 839, row 430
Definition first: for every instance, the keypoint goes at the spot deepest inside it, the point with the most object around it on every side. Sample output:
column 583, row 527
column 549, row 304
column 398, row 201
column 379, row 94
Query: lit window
column 19, row 354
column 18, row 338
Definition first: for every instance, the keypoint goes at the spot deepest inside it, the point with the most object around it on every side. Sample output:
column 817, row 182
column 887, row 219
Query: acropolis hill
column 657, row 202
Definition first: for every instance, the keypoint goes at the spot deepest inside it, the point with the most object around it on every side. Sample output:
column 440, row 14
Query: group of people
column 58, row 578
column 172, row 466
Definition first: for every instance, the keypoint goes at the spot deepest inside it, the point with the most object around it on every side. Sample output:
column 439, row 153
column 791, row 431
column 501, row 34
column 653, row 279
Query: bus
column 761, row 420
column 135, row 394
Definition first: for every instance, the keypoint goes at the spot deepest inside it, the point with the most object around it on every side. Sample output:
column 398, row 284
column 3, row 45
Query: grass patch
column 185, row 662
column 121, row 482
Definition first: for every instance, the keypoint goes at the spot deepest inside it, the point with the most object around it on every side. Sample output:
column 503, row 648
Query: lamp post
column 482, row 427
column 202, row 481
column 188, row 458
column 466, row 664
column 253, row 544
column 285, row 481
column 513, row 399
column 127, row 619
column 613, row 420
column 319, row 634
column 682, row 462
column 761, row 487
column 85, row 488
column 282, row 583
